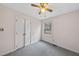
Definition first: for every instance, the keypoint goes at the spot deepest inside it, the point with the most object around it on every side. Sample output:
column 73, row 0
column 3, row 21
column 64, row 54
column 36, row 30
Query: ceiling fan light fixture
column 43, row 7
column 43, row 10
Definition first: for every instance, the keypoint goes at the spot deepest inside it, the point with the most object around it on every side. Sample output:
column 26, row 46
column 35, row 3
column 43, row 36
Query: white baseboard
column 9, row 51
column 75, row 51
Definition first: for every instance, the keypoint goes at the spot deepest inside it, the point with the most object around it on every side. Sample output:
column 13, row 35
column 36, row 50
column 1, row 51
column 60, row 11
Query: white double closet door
column 27, row 31
column 19, row 33
column 22, row 32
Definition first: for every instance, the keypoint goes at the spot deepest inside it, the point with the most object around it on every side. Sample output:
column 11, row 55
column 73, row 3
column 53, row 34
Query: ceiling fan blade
column 43, row 4
column 35, row 5
column 49, row 10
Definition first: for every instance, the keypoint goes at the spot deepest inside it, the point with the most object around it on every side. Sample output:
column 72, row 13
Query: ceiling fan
column 43, row 7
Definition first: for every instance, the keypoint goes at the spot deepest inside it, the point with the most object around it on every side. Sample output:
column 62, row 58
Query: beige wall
column 7, row 21
column 66, row 31
column 7, row 36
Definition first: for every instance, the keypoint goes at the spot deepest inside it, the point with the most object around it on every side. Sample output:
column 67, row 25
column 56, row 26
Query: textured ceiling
column 58, row 9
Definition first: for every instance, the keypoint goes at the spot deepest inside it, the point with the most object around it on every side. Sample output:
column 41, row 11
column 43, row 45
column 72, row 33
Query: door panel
column 27, row 32
column 19, row 40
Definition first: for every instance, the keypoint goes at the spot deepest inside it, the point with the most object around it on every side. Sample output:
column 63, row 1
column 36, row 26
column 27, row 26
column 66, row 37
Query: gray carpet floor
column 42, row 49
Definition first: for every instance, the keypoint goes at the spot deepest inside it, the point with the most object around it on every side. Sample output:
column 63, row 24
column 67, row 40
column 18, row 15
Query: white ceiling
column 58, row 9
